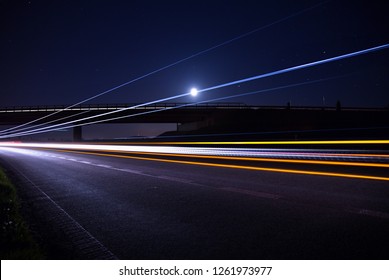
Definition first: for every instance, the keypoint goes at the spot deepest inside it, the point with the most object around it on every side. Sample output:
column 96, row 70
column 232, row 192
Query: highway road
column 114, row 205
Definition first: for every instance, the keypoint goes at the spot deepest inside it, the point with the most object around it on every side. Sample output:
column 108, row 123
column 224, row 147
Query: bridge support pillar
column 77, row 134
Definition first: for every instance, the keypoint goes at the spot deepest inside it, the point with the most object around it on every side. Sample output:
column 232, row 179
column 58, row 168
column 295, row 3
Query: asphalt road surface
column 112, row 207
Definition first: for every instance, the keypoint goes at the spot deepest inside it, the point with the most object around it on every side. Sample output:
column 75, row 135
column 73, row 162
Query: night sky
column 61, row 52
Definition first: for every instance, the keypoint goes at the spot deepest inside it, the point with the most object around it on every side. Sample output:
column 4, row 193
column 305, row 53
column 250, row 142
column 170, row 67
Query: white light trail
column 278, row 72
column 52, row 128
column 226, row 157
column 46, row 123
column 209, row 151
column 299, row 67
column 171, row 65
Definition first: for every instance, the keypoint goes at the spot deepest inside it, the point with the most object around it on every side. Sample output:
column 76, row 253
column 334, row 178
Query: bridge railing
column 108, row 107
column 118, row 106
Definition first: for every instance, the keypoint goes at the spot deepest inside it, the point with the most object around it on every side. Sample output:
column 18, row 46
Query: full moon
column 193, row 91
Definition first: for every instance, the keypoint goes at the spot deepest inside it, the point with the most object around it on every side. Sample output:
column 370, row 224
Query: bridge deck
column 111, row 107
column 157, row 106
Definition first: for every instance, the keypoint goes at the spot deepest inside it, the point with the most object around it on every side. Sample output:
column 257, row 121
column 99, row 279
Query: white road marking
column 103, row 165
column 175, row 179
column 252, row 193
column 129, row 171
column 367, row 212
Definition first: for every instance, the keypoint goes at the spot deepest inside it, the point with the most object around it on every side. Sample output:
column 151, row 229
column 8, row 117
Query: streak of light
column 270, row 152
column 298, row 67
column 253, row 168
column 41, row 124
column 316, row 142
column 269, row 74
column 215, row 151
column 53, row 127
column 172, row 64
column 302, row 161
column 310, row 156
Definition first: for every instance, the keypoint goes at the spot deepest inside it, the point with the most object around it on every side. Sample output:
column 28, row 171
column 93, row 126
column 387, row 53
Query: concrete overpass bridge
column 220, row 117
column 168, row 112
column 186, row 116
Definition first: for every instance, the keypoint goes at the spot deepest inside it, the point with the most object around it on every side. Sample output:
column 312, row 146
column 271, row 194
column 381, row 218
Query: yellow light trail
column 361, row 155
column 318, row 142
column 292, row 171
column 343, row 163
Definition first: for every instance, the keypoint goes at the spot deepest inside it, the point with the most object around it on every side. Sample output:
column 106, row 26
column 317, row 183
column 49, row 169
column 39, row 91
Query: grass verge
column 16, row 240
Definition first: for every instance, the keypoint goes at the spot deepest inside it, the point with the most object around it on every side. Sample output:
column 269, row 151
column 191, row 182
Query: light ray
column 278, row 72
column 171, row 65
column 52, row 128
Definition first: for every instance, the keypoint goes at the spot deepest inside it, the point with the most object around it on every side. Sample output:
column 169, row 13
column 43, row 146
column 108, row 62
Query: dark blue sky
column 61, row 52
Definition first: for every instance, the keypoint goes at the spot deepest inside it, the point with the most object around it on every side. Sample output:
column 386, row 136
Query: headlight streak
column 290, row 156
column 257, row 158
column 269, row 74
column 166, row 147
column 173, row 64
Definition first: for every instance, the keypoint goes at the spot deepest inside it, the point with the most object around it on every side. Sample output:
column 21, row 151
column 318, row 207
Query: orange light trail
column 254, row 168
column 343, row 163
column 319, row 142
